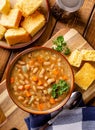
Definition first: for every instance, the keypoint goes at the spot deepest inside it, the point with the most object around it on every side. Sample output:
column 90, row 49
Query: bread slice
column 85, row 76
column 75, row 58
column 27, row 7
column 14, row 36
column 4, row 6
column 2, row 31
column 11, row 20
column 88, row 55
column 32, row 24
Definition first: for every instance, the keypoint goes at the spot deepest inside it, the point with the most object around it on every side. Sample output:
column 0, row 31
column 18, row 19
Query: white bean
column 48, row 105
column 59, row 64
column 31, row 100
column 45, row 91
column 34, row 88
column 32, row 93
column 45, row 84
column 44, row 98
column 40, row 87
column 21, row 82
column 17, row 83
column 53, row 58
column 25, row 75
column 26, row 81
column 59, row 59
column 21, row 76
column 46, row 77
column 49, row 90
column 49, row 81
column 28, row 67
column 41, row 72
column 19, row 70
column 20, row 98
column 46, row 63
column 25, row 102
column 52, row 66
column 37, row 64
column 36, row 102
column 29, row 55
column 37, row 98
column 21, row 62
column 35, row 70
column 18, row 66
column 15, row 88
column 16, row 93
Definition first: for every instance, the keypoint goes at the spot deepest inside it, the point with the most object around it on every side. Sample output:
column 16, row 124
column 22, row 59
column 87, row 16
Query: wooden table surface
column 83, row 22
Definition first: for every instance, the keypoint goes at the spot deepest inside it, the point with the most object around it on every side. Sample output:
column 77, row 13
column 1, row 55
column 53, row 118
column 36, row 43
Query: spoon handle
column 89, row 94
column 44, row 126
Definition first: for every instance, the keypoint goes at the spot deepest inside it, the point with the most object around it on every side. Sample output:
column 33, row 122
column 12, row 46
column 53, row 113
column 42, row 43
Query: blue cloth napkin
column 82, row 118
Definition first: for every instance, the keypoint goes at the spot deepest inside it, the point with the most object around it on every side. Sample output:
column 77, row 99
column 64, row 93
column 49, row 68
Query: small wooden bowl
column 10, row 68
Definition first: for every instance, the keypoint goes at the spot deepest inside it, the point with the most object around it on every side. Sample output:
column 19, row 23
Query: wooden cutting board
column 74, row 41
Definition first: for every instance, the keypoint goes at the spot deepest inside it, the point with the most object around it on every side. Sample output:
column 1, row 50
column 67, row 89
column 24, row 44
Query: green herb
column 67, row 51
column 59, row 88
column 60, row 45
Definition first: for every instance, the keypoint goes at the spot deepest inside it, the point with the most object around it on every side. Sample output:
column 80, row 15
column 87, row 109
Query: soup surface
column 40, row 79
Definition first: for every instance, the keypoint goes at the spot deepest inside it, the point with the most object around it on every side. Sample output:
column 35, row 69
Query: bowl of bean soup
column 39, row 80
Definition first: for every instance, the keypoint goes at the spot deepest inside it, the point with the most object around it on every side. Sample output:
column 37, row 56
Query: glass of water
column 65, row 9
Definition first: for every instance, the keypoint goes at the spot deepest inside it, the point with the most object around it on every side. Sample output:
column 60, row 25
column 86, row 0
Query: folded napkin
column 82, row 118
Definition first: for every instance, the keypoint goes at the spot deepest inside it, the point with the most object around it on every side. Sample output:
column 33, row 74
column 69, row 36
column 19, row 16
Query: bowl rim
column 8, row 72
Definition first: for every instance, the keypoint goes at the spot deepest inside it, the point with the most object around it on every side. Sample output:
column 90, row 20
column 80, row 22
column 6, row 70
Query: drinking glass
column 65, row 9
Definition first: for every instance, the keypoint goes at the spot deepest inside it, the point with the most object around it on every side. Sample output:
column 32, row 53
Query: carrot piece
column 27, row 86
column 20, row 87
column 31, row 62
column 34, row 78
column 12, row 80
column 40, row 106
column 65, row 77
column 55, row 72
column 52, row 101
column 40, row 82
column 28, row 94
column 40, row 59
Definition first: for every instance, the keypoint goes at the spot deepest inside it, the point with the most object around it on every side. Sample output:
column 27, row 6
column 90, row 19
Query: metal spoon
column 73, row 102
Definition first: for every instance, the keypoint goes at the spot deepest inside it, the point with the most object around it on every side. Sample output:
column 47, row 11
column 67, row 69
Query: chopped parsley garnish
column 60, row 45
column 59, row 88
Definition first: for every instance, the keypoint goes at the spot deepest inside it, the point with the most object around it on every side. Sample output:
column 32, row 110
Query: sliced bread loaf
column 4, row 6
column 2, row 31
column 11, row 20
column 18, row 35
column 32, row 24
column 27, row 7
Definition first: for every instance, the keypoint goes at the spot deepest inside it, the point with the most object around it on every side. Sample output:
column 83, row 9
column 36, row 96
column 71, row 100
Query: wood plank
column 16, row 120
column 4, row 56
column 90, row 31
column 11, row 111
